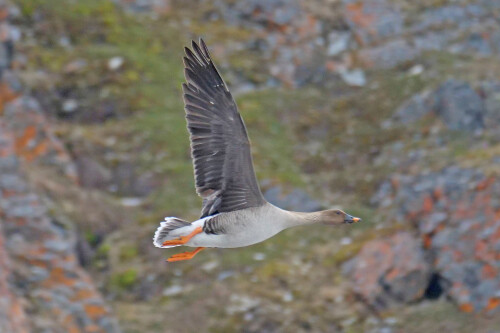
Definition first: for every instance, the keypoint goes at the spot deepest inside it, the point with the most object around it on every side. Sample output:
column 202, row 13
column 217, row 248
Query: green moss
column 124, row 280
column 91, row 238
column 103, row 250
column 273, row 269
column 128, row 252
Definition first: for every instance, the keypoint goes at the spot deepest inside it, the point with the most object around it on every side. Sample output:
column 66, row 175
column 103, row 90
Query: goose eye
column 338, row 213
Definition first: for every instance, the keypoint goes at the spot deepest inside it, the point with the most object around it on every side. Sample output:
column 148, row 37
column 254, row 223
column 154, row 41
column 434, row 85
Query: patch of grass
column 125, row 280
column 91, row 238
column 128, row 252
column 346, row 252
column 442, row 316
column 103, row 250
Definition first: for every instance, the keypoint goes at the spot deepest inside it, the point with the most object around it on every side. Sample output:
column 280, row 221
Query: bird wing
column 220, row 148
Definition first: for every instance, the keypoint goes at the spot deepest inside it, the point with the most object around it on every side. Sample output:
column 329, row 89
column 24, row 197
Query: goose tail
column 163, row 231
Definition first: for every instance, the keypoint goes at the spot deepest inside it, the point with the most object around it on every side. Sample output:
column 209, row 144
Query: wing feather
column 220, row 148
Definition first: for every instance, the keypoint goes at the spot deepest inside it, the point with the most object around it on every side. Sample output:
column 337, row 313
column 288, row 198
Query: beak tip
column 356, row 219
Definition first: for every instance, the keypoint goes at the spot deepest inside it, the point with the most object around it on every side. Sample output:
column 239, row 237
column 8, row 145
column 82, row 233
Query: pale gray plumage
column 220, row 148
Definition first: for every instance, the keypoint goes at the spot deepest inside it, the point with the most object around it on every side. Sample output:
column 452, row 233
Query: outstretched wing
column 220, row 148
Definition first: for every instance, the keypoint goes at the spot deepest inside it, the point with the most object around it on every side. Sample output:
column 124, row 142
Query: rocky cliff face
column 42, row 286
column 456, row 215
column 313, row 41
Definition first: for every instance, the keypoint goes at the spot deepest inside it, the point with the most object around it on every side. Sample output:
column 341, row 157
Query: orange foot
column 183, row 239
column 185, row 255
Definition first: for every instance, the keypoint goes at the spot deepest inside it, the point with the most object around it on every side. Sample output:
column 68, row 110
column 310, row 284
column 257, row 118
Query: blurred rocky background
column 389, row 109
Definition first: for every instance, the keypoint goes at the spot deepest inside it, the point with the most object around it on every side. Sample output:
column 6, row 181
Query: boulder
column 457, row 215
column 388, row 55
column 91, row 173
column 389, row 271
column 459, row 106
column 373, row 20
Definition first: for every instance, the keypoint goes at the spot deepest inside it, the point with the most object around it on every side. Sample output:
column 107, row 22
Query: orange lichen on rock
column 466, row 307
column 488, row 272
column 95, row 311
column 393, row 273
column 427, row 241
column 84, row 294
column 457, row 216
column 25, row 139
column 6, row 95
column 46, row 272
column 92, row 329
column 427, row 205
column 397, row 261
column 58, row 277
column 11, row 310
column 482, row 185
column 358, row 16
column 483, row 252
column 493, row 303
column 438, row 193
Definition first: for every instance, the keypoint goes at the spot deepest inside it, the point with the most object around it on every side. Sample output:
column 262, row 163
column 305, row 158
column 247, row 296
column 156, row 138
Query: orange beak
column 356, row 219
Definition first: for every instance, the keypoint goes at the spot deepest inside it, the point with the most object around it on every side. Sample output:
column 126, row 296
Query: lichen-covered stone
column 457, row 215
column 389, row 271
column 34, row 140
column 373, row 20
column 62, row 297
column 42, row 286
column 12, row 315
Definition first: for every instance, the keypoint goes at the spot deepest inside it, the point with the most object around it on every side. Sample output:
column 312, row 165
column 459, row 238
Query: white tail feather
column 162, row 233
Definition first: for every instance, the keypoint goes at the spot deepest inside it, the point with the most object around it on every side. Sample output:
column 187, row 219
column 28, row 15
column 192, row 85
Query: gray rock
column 388, row 55
column 354, row 78
column 296, row 200
column 491, row 92
column 389, row 271
column 495, row 40
column 337, row 42
column 440, row 16
column 455, row 102
column 386, row 19
column 460, row 107
column 129, row 182
column 435, row 40
column 459, row 228
column 91, row 173
column 144, row 184
column 415, row 108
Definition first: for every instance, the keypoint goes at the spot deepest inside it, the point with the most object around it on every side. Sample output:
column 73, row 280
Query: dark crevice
column 435, row 288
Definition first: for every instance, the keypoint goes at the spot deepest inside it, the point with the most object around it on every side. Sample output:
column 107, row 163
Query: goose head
column 337, row 216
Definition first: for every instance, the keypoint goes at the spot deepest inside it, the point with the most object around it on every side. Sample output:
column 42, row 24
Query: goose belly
column 244, row 236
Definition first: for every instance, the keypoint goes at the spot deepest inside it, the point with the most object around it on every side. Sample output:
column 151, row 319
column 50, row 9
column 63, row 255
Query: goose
column 234, row 212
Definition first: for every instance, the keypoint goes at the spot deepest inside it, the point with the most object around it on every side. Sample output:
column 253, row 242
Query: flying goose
column 234, row 212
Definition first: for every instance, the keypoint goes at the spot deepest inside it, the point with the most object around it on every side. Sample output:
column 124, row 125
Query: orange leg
column 183, row 239
column 185, row 255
